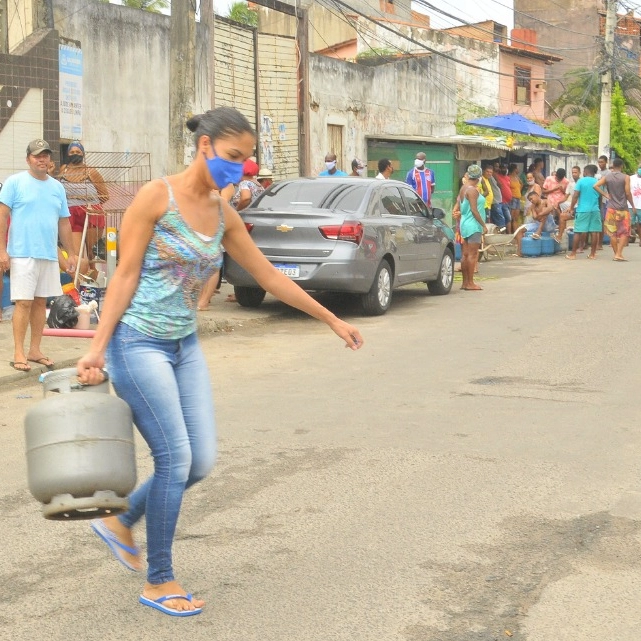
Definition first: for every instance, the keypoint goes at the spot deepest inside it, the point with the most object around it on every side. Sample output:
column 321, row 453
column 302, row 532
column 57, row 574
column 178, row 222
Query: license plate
column 293, row 271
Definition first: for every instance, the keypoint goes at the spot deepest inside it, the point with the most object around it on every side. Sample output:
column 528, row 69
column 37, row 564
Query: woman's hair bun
column 193, row 122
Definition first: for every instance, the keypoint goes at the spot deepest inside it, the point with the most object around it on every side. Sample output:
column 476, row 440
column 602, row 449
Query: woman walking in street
column 171, row 239
column 472, row 226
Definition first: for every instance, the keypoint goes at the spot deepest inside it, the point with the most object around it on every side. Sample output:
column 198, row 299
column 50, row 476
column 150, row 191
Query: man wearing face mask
column 330, row 167
column 358, row 169
column 421, row 179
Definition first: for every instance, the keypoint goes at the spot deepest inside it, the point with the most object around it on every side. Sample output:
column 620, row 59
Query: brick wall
column 28, row 99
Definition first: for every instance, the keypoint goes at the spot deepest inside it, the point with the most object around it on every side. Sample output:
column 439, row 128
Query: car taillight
column 349, row 230
column 249, row 227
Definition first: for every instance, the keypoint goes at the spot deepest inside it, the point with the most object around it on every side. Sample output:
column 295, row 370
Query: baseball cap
column 250, row 168
column 265, row 173
column 37, row 146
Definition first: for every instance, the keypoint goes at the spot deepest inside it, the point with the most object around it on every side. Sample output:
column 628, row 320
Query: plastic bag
column 63, row 313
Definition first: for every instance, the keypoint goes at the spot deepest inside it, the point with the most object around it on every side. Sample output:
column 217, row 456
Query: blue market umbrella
column 514, row 123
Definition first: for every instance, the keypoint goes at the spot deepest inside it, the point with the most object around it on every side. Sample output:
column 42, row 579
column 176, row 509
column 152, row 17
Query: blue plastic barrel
column 530, row 246
column 547, row 244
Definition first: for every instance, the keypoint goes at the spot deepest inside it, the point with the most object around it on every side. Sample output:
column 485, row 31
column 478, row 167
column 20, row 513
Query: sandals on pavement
column 114, row 544
column 157, row 604
column 20, row 366
column 44, row 360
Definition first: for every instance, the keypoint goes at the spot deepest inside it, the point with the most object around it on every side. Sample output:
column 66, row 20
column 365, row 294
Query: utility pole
column 207, row 18
column 606, row 78
column 4, row 27
column 302, row 39
column 182, row 81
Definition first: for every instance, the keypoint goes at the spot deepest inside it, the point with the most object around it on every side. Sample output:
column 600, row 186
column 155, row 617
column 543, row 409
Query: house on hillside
column 575, row 30
column 522, row 66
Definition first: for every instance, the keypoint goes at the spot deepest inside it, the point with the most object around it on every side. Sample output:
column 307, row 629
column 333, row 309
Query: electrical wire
column 341, row 6
column 547, row 24
column 480, row 29
column 446, row 81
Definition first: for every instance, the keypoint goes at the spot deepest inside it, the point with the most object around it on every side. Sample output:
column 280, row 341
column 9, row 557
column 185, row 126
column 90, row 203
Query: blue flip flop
column 157, row 604
column 116, row 546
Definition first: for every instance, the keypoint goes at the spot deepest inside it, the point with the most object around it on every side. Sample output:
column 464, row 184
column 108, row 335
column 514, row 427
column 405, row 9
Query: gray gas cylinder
column 80, row 449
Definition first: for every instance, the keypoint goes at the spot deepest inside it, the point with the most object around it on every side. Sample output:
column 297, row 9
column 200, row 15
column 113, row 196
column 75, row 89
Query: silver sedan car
column 357, row 235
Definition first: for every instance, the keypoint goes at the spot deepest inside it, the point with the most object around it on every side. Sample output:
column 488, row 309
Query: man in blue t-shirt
column 39, row 214
column 330, row 167
column 587, row 212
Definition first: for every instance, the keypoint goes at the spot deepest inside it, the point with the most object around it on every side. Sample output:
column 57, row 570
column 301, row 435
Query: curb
column 207, row 328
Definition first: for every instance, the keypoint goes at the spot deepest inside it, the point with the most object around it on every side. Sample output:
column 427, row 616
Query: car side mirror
column 438, row 213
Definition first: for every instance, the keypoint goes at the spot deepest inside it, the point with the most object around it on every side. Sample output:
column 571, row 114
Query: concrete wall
column 278, row 91
column 20, row 21
column 125, row 76
column 325, row 30
column 126, row 80
column 235, row 68
column 575, row 25
column 29, row 105
column 385, row 101
column 474, row 87
column 328, row 28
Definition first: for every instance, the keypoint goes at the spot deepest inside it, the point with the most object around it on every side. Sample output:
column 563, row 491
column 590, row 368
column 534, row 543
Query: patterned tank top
column 176, row 264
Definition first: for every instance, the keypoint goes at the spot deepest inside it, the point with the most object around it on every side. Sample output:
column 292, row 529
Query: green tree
column 582, row 93
column 240, row 12
column 579, row 133
column 625, row 131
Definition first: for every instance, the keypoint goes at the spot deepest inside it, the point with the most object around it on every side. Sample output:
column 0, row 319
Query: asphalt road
column 471, row 474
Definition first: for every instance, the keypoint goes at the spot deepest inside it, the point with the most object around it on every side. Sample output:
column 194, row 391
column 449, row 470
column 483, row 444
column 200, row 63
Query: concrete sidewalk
column 221, row 316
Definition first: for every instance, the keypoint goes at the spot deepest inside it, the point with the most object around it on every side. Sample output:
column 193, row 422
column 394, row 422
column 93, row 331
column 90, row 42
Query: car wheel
column 443, row 284
column 379, row 298
column 249, row 296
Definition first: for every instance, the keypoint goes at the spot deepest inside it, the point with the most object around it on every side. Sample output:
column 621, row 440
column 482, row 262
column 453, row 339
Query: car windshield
column 312, row 195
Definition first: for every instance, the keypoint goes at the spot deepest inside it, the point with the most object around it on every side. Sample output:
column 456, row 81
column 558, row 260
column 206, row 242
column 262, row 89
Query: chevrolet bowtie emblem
column 284, row 228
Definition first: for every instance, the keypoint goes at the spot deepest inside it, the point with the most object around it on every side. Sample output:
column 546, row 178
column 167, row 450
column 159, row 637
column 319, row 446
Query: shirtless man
column 543, row 220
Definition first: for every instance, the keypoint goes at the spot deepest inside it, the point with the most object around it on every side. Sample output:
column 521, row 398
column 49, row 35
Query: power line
column 445, row 80
column 548, row 24
column 477, row 27
column 340, row 5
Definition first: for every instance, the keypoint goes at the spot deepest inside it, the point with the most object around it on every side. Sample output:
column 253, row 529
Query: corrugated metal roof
column 456, row 139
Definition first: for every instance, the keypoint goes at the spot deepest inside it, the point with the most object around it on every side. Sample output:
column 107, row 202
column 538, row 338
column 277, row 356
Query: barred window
column 522, row 85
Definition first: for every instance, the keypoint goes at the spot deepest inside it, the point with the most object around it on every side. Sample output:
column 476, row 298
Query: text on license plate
column 293, row 271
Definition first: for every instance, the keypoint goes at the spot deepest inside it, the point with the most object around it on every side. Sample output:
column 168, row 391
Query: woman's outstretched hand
column 348, row 333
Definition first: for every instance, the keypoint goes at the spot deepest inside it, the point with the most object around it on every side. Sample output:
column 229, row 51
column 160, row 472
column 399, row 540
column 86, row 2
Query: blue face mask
column 224, row 171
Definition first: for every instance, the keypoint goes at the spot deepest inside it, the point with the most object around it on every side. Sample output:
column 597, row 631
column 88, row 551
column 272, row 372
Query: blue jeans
column 166, row 384
column 500, row 214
